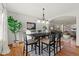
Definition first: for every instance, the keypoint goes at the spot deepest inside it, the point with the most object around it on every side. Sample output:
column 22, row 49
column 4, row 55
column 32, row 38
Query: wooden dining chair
column 31, row 42
column 50, row 44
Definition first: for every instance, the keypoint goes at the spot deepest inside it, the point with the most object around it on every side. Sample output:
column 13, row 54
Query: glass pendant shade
column 43, row 21
column 47, row 22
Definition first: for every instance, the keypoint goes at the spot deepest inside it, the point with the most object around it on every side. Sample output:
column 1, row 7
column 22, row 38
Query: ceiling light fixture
column 47, row 22
column 44, row 20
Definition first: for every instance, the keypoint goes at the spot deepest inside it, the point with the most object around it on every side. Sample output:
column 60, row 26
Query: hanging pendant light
column 43, row 16
column 44, row 21
column 47, row 22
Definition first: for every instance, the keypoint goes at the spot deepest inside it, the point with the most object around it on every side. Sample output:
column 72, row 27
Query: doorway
column 67, row 24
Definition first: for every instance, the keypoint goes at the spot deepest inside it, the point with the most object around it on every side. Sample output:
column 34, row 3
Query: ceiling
column 35, row 9
column 66, row 20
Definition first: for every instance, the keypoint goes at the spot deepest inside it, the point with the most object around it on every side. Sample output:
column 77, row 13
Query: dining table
column 39, row 35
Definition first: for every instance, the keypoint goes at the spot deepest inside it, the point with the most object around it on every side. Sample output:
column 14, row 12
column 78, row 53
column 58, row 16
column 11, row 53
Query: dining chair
column 58, row 40
column 30, row 42
column 50, row 44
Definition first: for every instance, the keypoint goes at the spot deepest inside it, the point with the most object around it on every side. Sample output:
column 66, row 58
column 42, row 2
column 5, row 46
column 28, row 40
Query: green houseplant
column 14, row 26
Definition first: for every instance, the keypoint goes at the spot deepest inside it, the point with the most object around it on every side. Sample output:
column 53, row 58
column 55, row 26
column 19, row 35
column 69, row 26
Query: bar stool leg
column 26, row 49
column 49, row 49
column 57, row 48
column 31, row 47
column 42, row 48
column 35, row 48
column 39, row 46
column 54, row 49
column 60, row 44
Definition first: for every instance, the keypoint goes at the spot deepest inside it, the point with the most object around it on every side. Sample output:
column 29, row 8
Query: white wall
column 23, row 19
column 77, row 32
column 1, row 6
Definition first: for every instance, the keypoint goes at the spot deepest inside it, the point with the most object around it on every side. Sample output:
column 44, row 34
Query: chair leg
column 49, row 49
column 42, row 48
column 26, row 49
column 54, row 49
column 35, row 48
column 57, row 48
column 31, row 47
column 60, row 44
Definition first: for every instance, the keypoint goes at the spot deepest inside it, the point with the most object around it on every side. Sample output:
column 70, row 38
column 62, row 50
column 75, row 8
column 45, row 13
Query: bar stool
column 50, row 42
column 31, row 42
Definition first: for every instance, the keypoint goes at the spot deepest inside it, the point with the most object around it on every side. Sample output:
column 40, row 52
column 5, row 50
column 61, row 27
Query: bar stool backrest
column 59, row 35
column 52, row 36
column 25, row 37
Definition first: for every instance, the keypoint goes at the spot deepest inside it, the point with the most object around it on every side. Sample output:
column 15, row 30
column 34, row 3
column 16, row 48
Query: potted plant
column 14, row 26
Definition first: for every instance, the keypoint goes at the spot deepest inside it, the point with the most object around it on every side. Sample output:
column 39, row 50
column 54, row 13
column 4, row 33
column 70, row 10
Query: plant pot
column 15, row 44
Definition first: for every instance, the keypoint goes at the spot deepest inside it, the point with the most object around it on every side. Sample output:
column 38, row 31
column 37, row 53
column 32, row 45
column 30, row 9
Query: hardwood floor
column 69, row 49
column 15, row 51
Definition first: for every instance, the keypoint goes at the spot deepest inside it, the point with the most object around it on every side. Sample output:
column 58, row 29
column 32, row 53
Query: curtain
column 1, row 30
column 4, row 49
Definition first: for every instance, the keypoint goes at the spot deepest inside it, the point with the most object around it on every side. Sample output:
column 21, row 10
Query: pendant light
column 44, row 21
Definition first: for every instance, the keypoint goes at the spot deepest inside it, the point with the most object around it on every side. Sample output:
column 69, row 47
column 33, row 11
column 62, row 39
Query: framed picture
column 31, row 26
